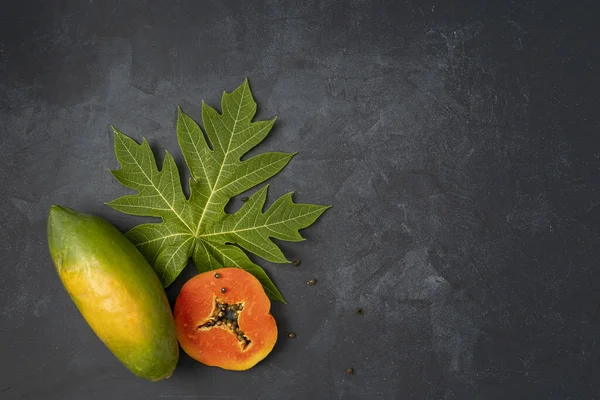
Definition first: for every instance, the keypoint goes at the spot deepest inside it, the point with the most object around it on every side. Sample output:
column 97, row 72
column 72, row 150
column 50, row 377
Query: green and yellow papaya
column 116, row 290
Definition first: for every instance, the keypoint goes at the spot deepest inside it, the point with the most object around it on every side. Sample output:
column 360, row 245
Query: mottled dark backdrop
column 457, row 141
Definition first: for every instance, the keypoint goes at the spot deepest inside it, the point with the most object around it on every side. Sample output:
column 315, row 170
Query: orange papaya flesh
column 205, row 339
column 116, row 291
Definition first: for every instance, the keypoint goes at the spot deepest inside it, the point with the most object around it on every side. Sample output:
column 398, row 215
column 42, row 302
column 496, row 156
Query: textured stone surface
column 457, row 142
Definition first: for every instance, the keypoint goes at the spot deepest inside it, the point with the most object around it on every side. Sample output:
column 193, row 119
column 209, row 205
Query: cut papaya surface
column 223, row 319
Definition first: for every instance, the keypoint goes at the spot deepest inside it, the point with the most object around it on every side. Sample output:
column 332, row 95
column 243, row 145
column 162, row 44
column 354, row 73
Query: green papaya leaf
column 198, row 226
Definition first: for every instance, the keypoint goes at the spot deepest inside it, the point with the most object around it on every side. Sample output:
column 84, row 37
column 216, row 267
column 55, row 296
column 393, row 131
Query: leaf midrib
column 214, row 188
column 173, row 255
column 197, row 153
column 165, row 237
column 254, row 227
column 153, row 185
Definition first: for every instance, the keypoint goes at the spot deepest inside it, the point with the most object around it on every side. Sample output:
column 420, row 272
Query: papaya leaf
column 198, row 227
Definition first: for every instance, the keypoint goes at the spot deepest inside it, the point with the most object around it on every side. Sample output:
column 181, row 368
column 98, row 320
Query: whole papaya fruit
column 116, row 290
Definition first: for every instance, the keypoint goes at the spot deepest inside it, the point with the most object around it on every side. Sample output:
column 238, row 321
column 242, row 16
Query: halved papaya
column 223, row 319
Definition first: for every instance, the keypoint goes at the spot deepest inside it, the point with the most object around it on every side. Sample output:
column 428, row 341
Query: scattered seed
column 245, row 199
column 223, row 290
column 240, row 307
column 240, row 337
column 234, row 308
column 217, row 275
column 219, row 323
column 296, row 263
column 292, row 335
column 311, row 282
column 221, row 314
column 350, row 371
column 359, row 311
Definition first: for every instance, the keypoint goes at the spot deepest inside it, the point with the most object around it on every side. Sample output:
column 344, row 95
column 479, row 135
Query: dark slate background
column 457, row 141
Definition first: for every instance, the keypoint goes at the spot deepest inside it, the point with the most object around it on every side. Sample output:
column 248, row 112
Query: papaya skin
column 116, row 291
column 219, row 346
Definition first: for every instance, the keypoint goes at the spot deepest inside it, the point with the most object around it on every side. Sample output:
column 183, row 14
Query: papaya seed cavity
column 226, row 316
